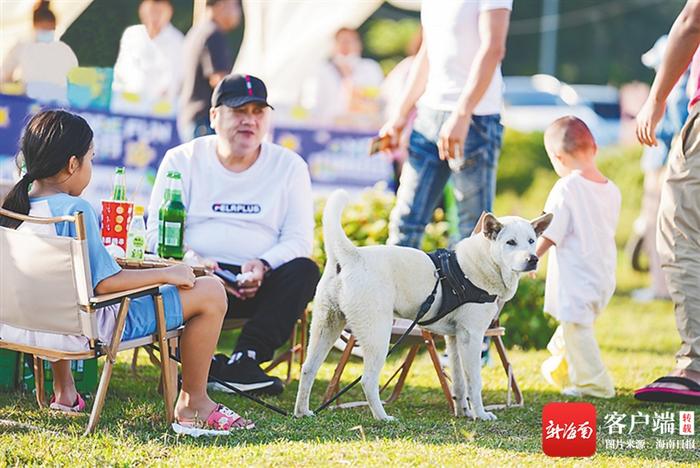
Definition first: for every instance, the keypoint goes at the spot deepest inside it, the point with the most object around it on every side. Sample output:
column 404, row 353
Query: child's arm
column 543, row 244
column 180, row 275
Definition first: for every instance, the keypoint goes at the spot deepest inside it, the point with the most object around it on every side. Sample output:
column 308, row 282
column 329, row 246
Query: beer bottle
column 119, row 187
column 171, row 220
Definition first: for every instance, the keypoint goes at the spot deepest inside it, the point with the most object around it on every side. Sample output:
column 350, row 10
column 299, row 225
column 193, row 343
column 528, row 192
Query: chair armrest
column 116, row 297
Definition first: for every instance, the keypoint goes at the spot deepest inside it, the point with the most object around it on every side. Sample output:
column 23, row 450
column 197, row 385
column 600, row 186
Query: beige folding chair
column 422, row 338
column 45, row 286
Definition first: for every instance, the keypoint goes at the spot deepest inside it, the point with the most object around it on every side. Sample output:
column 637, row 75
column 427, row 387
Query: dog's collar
column 456, row 287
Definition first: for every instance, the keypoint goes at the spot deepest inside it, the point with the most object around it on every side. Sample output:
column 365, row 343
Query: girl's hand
column 180, row 275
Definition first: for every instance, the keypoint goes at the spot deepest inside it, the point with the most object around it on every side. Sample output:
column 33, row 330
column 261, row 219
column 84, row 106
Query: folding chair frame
column 164, row 339
column 426, row 339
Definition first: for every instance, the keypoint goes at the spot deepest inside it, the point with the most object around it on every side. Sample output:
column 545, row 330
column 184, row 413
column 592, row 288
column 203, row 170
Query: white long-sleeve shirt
column 263, row 212
column 150, row 68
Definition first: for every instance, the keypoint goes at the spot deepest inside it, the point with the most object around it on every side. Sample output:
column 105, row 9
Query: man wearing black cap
column 249, row 209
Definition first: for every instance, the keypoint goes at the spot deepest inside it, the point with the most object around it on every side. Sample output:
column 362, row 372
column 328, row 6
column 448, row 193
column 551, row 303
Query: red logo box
column 569, row 429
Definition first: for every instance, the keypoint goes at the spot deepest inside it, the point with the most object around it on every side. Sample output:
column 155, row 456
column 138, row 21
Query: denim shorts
column 141, row 318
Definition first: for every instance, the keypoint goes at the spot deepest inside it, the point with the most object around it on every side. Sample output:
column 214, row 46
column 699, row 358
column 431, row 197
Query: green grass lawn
column 637, row 341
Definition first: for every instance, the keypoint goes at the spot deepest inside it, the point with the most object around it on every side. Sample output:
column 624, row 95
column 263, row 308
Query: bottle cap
column 119, row 170
column 138, row 210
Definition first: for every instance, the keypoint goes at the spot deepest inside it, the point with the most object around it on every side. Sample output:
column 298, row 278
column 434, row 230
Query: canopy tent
column 16, row 19
column 285, row 41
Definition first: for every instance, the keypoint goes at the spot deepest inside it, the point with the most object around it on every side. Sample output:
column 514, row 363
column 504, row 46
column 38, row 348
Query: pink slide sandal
column 220, row 422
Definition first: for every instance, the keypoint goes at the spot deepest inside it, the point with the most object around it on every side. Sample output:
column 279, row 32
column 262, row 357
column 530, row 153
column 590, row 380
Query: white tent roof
column 286, row 40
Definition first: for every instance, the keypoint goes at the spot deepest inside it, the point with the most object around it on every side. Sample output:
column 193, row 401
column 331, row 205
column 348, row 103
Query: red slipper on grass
column 691, row 396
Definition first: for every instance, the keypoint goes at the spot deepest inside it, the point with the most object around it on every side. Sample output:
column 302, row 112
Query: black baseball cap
column 239, row 90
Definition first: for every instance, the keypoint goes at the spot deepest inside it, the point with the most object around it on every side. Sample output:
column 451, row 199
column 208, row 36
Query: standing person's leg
column 272, row 313
column 555, row 369
column 423, row 178
column 678, row 243
column 475, row 178
column 653, row 181
column 587, row 373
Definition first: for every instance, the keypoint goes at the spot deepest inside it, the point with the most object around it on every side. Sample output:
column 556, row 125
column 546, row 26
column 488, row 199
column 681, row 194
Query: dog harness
column 456, row 287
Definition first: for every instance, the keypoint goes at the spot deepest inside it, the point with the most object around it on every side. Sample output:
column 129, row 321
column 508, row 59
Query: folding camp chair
column 58, row 267
column 422, row 338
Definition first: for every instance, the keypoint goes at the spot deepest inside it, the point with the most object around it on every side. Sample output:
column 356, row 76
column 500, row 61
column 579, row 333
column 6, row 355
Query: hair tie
column 27, row 178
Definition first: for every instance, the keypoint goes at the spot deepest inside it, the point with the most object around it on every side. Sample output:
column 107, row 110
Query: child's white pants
column 576, row 363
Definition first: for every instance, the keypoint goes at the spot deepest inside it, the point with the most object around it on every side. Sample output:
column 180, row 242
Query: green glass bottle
column 119, row 187
column 171, row 220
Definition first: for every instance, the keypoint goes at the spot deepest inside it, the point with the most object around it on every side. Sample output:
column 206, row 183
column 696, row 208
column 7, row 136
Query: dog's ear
column 479, row 224
column 541, row 223
column 490, row 226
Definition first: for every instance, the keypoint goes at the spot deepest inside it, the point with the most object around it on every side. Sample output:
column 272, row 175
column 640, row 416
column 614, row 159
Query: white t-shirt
column 581, row 266
column 150, row 68
column 325, row 95
column 42, row 66
column 451, row 35
column 264, row 212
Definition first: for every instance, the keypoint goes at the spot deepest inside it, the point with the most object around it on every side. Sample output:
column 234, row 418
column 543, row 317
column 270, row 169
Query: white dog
column 364, row 287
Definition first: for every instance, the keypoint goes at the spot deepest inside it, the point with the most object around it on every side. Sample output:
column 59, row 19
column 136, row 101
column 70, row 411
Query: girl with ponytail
column 57, row 149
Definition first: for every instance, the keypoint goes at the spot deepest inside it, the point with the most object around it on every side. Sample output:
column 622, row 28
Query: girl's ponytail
column 17, row 200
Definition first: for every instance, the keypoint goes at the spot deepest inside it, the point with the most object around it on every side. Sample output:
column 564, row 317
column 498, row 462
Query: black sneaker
column 245, row 374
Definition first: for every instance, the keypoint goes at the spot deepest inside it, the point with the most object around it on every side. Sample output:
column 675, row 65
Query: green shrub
column 521, row 155
column 527, row 326
column 366, row 222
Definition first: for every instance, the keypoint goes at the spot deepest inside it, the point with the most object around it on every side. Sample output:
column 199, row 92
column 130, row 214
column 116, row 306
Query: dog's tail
column 338, row 246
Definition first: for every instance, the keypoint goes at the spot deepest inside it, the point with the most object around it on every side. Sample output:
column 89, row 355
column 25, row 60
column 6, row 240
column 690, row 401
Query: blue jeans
column 425, row 175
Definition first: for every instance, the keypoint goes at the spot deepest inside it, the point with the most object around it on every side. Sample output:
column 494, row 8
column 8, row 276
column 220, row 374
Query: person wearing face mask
column 148, row 63
column 347, row 83
column 249, row 209
column 41, row 64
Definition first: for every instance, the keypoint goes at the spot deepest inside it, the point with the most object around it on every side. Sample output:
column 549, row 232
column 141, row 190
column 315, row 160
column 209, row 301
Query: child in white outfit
column 581, row 266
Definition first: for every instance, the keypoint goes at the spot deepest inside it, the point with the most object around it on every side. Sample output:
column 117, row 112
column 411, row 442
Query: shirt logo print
column 236, row 208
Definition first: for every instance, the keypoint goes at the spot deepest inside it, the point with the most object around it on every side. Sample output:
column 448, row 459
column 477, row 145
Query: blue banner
column 137, row 142
column 336, row 157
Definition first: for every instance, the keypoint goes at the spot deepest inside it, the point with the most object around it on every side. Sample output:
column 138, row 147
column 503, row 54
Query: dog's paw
column 486, row 416
column 463, row 411
column 302, row 414
column 387, row 418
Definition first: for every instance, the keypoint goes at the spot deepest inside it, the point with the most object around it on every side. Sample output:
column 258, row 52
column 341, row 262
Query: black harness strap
column 456, row 288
